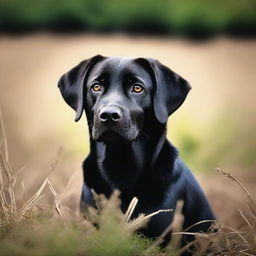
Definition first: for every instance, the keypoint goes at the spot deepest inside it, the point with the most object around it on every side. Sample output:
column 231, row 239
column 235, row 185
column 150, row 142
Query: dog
column 127, row 102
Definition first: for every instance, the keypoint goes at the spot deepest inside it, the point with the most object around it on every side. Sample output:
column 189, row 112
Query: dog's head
column 116, row 93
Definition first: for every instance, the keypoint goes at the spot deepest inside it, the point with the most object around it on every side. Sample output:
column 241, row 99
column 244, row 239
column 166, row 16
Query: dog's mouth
column 110, row 136
column 114, row 135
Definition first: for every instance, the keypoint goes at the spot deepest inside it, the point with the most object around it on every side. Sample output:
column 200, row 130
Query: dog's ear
column 71, row 84
column 170, row 88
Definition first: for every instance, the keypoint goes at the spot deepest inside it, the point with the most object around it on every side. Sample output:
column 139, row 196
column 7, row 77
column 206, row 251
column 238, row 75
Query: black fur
column 129, row 150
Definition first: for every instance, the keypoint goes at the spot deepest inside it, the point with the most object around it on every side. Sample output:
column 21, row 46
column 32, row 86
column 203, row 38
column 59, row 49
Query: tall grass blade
column 4, row 138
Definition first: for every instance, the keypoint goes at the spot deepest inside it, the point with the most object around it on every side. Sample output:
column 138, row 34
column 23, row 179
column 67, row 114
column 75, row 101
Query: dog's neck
column 125, row 163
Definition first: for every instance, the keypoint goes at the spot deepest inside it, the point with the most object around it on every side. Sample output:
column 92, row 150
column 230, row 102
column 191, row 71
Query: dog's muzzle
column 112, row 123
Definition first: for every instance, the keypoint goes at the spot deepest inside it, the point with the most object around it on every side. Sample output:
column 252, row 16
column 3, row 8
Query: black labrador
column 127, row 102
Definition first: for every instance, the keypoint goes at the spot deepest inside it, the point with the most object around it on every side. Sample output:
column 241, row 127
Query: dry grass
column 224, row 240
column 30, row 224
column 34, row 226
column 15, row 206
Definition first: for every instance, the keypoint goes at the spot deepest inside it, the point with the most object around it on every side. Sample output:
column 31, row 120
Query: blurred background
column 211, row 44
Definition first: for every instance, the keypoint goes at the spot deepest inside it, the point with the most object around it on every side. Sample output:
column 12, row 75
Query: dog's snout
column 110, row 114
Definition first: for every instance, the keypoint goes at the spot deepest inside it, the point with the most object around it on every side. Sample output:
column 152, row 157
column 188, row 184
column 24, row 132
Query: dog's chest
column 121, row 176
column 121, row 167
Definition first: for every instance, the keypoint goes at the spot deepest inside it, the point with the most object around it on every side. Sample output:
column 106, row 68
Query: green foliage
column 113, row 235
column 189, row 17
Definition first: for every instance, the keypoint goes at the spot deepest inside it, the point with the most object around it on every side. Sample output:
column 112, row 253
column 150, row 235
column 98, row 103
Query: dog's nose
column 110, row 114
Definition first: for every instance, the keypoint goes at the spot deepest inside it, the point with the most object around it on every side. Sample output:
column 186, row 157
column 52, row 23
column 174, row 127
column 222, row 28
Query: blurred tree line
column 184, row 17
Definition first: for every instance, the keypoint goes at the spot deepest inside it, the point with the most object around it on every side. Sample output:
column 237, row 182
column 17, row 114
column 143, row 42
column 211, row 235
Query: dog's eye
column 137, row 88
column 96, row 87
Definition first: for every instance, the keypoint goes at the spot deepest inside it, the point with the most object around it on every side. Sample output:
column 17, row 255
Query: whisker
column 144, row 134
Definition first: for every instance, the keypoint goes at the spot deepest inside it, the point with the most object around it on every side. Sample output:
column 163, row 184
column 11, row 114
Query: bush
column 187, row 17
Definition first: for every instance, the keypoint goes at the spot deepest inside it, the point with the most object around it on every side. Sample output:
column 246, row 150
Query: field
column 214, row 128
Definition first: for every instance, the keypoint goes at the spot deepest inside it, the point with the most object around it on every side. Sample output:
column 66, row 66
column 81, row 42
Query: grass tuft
column 223, row 240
